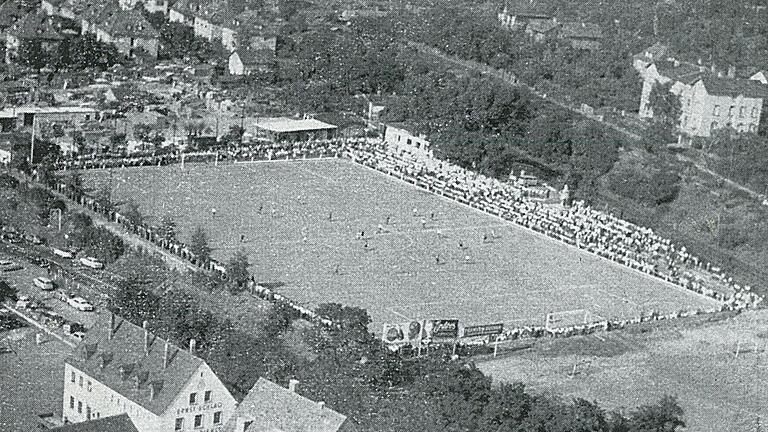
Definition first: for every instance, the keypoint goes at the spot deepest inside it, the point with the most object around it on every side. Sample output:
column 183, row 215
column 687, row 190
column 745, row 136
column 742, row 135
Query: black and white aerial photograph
column 383, row 216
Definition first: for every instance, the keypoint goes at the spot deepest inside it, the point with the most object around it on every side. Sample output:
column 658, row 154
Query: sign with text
column 442, row 329
column 483, row 330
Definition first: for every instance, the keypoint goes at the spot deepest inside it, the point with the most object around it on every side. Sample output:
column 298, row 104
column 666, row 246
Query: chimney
column 719, row 74
column 145, row 326
column 713, row 68
column 677, row 63
column 123, row 372
column 731, row 71
column 136, row 381
column 293, row 385
column 111, row 333
column 154, row 389
column 321, row 404
column 192, row 346
column 165, row 355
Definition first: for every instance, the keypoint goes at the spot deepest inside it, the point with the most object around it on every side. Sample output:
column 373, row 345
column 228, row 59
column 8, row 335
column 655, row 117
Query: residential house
column 149, row 5
column 709, row 100
column 582, row 35
column 517, row 15
column 130, row 32
column 541, row 30
column 713, row 102
column 270, row 407
column 655, row 52
column 121, row 368
column 183, row 12
column 761, row 76
column 249, row 61
column 36, row 27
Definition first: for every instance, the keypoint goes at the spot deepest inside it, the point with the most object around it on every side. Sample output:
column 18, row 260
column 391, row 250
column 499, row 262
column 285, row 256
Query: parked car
column 33, row 239
column 91, row 262
column 78, row 335
column 80, row 304
column 44, row 283
column 22, row 302
column 12, row 267
column 39, row 261
column 63, row 253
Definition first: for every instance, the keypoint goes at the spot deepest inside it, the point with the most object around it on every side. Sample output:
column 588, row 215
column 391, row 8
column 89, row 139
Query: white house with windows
column 120, row 368
column 404, row 142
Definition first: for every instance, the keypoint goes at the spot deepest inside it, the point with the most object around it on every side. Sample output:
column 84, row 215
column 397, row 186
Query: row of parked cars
column 91, row 262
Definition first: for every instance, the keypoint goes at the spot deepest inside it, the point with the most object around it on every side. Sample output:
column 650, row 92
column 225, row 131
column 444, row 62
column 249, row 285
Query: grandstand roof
column 285, row 124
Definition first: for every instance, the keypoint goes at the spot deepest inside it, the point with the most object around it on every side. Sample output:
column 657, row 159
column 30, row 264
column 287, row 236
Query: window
column 89, row 385
column 246, row 425
column 754, row 111
column 79, row 407
column 71, row 402
column 217, row 417
column 192, row 398
column 80, row 381
column 207, row 397
column 730, row 110
column 87, row 412
column 741, row 111
column 685, row 121
column 409, row 142
column 72, row 377
column 741, row 127
column 716, row 111
column 179, row 424
column 713, row 126
column 198, row 421
column 752, row 127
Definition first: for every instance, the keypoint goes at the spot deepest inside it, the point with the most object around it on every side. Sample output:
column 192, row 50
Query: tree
column 234, row 136
column 664, row 416
column 31, row 54
column 134, row 300
column 198, row 245
column 237, row 271
column 7, row 292
column 85, row 51
column 132, row 214
column 117, row 141
column 666, row 109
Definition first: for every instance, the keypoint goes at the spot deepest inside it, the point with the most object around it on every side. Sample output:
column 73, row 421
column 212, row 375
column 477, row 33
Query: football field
column 313, row 227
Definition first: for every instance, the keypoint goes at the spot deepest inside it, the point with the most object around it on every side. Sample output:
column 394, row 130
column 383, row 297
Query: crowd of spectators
column 576, row 224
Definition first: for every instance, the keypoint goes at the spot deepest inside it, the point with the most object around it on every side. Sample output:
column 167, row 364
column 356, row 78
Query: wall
column 405, row 142
column 221, row 400
column 104, row 402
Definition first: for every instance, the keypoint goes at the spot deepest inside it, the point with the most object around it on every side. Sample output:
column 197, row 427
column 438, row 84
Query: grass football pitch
column 300, row 223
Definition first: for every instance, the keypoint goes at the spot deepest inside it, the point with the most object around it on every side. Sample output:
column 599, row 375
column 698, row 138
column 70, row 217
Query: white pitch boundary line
column 266, row 161
column 511, row 223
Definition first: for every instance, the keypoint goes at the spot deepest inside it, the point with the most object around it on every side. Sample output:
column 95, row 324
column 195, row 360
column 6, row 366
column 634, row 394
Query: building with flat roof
column 10, row 118
column 288, row 129
column 273, row 408
column 404, row 142
column 121, row 368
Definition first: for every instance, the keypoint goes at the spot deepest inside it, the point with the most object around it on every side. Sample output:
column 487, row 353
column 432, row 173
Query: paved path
column 752, row 193
column 40, row 326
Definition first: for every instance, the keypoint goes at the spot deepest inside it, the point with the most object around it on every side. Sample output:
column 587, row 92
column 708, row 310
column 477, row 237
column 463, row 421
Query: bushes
column 645, row 185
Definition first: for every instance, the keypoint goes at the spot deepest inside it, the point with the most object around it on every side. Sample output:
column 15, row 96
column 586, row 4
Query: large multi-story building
column 709, row 100
column 122, row 368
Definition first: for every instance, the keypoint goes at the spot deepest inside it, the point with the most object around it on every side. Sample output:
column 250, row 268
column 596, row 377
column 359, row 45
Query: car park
column 91, row 262
column 44, row 283
column 80, row 304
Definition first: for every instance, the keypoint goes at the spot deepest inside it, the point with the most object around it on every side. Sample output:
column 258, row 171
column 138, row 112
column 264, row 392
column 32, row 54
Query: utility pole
column 32, row 145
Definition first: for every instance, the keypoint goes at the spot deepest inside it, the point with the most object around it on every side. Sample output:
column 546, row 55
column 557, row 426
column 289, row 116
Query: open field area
column 31, row 379
column 301, row 221
column 718, row 390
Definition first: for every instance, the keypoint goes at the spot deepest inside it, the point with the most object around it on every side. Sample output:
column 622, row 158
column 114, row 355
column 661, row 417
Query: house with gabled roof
column 121, row 368
column 581, row 35
column 271, row 407
column 36, row 27
column 516, row 15
column 129, row 31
